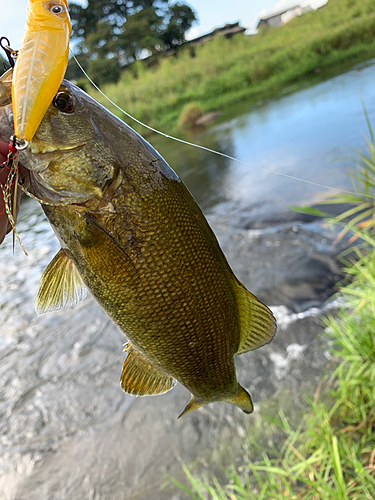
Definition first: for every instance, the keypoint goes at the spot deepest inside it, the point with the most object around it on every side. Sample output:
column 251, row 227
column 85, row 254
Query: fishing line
column 264, row 169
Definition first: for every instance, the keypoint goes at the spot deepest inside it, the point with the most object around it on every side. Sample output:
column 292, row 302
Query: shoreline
column 92, row 421
column 245, row 69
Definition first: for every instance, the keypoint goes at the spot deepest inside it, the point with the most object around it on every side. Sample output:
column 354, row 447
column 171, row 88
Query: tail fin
column 191, row 406
column 242, row 400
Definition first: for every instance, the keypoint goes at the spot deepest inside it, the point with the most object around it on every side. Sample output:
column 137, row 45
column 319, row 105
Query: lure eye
column 57, row 9
column 64, row 102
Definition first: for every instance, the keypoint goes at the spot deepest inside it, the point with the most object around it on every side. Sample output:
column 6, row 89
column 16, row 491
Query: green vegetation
column 249, row 68
column 330, row 455
column 115, row 33
column 190, row 115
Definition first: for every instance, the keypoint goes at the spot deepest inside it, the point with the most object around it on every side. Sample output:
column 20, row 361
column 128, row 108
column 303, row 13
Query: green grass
column 330, row 455
column 224, row 72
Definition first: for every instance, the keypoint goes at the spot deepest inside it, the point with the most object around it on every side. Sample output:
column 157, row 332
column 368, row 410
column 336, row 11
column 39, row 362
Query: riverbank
column 223, row 72
column 329, row 452
column 67, row 429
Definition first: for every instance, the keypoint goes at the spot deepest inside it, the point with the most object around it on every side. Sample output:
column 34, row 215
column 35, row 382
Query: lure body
column 41, row 63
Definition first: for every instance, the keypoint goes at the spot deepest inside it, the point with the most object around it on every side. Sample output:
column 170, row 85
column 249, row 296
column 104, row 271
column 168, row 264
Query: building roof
column 227, row 29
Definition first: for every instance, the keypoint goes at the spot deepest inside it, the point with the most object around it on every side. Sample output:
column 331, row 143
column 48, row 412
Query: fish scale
column 132, row 233
column 200, row 283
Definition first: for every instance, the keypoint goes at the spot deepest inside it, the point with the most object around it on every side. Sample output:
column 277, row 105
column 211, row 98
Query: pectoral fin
column 140, row 378
column 100, row 248
column 60, row 287
column 257, row 323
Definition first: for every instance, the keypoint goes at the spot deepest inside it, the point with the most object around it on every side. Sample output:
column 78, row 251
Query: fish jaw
column 38, row 162
column 41, row 65
column 62, row 157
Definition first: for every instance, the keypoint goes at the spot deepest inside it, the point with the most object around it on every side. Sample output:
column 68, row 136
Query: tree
column 104, row 70
column 181, row 19
column 140, row 32
column 124, row 29
column 115, row 12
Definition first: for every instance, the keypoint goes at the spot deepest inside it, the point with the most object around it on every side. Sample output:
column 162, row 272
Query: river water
column 67, row 431
column 306, row 134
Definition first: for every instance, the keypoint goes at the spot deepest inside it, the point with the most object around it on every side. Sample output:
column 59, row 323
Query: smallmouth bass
column 132, row 234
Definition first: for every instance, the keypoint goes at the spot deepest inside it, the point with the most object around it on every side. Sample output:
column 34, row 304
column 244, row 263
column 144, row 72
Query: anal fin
column 140, row 378
column 60, row 286
column 257, row 323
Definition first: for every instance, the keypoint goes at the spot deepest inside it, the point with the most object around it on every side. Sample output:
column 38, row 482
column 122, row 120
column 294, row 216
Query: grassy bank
column 248, row 67
column 330, row 453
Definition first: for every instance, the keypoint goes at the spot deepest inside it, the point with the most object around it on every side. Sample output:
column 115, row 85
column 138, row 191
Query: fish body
column 41, row 63
column 132, row 233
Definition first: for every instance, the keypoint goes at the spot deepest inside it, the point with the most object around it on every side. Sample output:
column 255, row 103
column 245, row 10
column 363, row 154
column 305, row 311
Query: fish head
column 69, row 159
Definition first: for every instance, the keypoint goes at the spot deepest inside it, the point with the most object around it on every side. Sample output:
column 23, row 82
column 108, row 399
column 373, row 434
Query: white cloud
column 192, row 33
column 263, row 12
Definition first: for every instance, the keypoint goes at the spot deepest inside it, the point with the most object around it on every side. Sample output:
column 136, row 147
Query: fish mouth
column 39, row 161
column 48, row 194
column 36, row 157
column 36, row 150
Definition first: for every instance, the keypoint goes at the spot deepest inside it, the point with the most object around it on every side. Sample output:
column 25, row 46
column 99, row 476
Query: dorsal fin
column 257, row 323
column 140, row 378
column 60, row 287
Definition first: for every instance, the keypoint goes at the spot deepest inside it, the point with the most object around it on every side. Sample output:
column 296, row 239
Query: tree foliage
column 125, row 30
column 181, row 19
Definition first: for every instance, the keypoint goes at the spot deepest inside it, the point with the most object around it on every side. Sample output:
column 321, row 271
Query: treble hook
column 18, row 144
column 10, row 53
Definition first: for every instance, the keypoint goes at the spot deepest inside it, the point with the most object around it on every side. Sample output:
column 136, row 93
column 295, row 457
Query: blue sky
column 211, row 14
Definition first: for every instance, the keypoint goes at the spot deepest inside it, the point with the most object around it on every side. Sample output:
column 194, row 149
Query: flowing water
column 67, row 431
column 307, row 134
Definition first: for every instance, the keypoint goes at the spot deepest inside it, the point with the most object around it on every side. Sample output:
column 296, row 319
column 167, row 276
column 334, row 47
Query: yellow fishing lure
column 41, row 63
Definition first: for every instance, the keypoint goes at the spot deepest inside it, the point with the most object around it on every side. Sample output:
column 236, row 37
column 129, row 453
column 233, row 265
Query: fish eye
column 57, row 9
column 64, row 102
